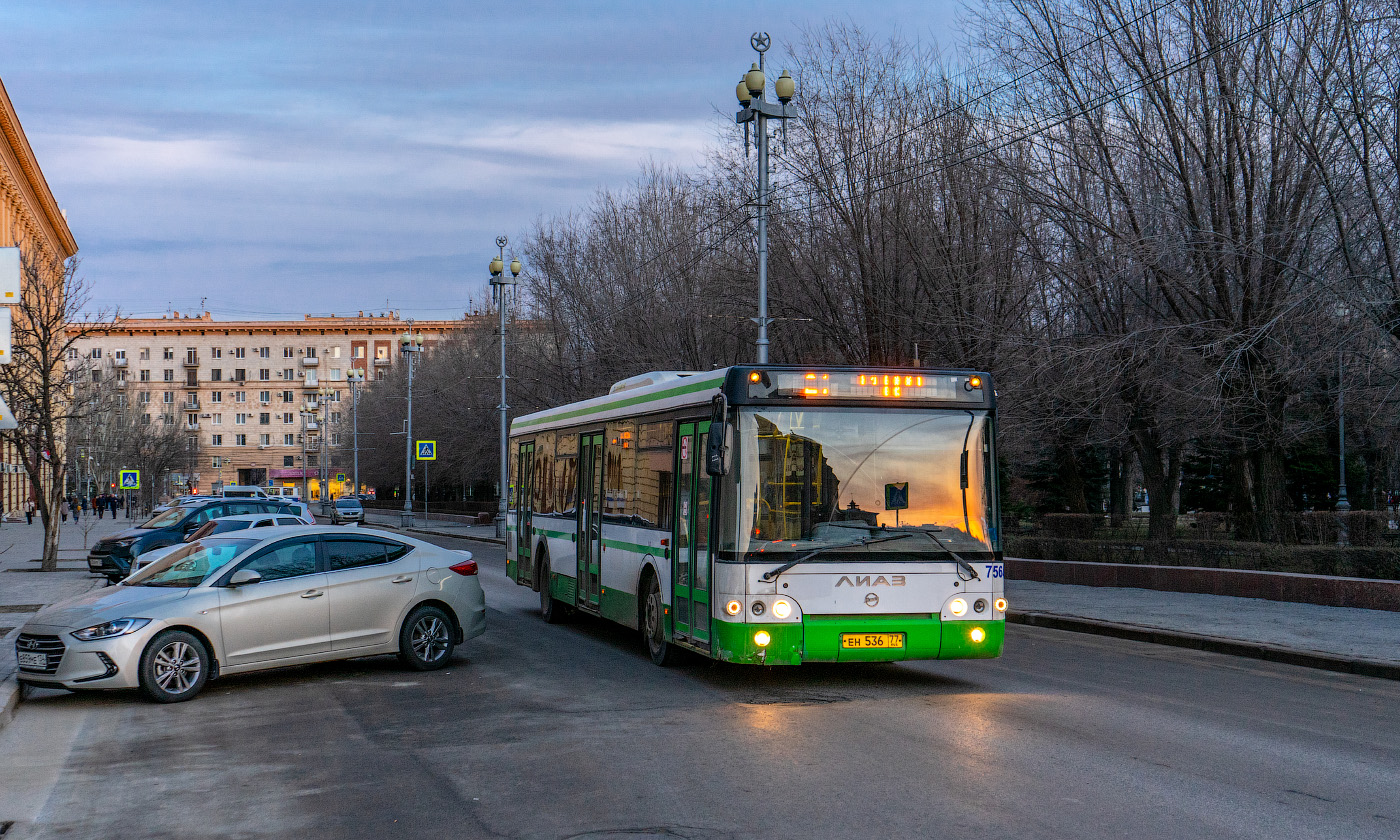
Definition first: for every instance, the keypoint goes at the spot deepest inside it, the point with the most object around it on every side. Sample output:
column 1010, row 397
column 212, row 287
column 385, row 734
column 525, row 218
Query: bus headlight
column 1001, row 605
column 733, row 607
column 957, row 606
column 761, row 638
column 782, row 609
column 978, row 635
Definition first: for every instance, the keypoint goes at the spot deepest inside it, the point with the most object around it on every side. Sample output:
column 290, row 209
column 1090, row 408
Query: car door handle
column 402, row 579
column 313, row 594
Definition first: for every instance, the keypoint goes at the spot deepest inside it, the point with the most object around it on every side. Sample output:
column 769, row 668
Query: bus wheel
column 654, row 625
column 551, row 610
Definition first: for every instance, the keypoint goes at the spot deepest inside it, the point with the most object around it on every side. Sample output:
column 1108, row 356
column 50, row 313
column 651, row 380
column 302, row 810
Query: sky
column 273, row 159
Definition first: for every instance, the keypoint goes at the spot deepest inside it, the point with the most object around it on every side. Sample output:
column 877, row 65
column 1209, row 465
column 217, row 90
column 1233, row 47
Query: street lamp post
column 498, row 288
column 409, row 344
column 758, row 110
column 323, row 474
column 356, row 377
column 1343, row 506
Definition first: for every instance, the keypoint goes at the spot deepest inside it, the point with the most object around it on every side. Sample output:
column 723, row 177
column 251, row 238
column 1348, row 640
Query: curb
column 1212, row 644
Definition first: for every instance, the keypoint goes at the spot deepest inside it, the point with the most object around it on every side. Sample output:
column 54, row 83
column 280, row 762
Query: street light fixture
column 758, row 110
column 498, row 290
column 409, row 345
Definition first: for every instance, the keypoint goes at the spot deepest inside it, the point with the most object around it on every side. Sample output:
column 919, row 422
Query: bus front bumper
column 818, row 638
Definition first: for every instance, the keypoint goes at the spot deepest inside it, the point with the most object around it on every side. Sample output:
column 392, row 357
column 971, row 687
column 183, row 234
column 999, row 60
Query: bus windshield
column 832, row 476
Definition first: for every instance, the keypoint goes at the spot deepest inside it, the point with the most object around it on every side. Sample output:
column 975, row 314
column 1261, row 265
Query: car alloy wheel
column 174, row 667
column 177, row 667
column 426, row 639
column 430, row 638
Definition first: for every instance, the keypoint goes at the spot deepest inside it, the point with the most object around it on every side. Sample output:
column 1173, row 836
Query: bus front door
column 590, row 520
column 690, row 565
column 524, row 503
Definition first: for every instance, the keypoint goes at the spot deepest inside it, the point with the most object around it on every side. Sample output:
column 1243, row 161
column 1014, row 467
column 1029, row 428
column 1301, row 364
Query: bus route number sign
column 130, row 480
column 897, row 496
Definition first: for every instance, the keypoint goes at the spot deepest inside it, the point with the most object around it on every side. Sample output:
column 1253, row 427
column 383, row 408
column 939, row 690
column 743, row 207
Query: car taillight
column 466, row 567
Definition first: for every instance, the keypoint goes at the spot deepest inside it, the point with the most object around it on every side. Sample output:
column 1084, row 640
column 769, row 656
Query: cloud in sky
column 277, row 158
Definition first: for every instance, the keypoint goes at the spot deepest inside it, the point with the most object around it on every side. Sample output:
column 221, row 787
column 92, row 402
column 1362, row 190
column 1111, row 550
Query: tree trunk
column 1072, row 479
column 1120, row 485
column 1161, row 474
column 1270, row 495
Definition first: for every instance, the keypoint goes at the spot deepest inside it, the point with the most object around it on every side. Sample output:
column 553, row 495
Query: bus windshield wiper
column 772, row 574
column 962, row 564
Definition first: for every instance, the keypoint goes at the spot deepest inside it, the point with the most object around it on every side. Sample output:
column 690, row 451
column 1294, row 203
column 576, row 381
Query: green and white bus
column 769, row 514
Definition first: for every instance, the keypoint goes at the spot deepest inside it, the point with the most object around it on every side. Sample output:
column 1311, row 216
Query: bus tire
column 552, row 610
column 654, row 625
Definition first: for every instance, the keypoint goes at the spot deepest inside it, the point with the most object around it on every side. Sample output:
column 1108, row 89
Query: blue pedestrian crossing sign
column 427, row 450
column 130, row 480
column 897, row 496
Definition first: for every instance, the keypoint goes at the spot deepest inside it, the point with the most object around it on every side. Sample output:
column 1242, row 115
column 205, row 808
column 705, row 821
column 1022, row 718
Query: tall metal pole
column 355, row 425
column 500, row 288
column 305, row 496
column 408, row 351
column 1342, row 503
column 762, row 122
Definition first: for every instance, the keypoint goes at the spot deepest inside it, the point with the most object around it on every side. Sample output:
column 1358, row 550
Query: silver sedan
column 248, row 601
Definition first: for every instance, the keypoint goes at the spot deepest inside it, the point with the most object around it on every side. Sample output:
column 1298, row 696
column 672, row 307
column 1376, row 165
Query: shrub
column 1071, row 525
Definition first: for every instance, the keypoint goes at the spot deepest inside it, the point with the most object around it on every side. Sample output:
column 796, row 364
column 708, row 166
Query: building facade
column 31, row 220
column 257, row 395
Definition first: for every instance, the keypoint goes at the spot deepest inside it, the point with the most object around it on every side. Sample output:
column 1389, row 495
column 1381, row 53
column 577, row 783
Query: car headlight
column 110, row 629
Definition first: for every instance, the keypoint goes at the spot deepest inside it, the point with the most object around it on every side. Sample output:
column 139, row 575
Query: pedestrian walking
column 29, row 512
column 63, row 510
column 77, row 508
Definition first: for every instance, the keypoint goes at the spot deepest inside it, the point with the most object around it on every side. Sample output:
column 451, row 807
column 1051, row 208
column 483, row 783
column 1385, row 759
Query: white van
column 244, row 491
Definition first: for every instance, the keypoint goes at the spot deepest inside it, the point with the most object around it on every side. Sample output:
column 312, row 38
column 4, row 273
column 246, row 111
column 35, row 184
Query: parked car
column 213, row 527
column 111, row 556
column 251, row 600
column 243, row 491
column 347, row 510
column 299, row 508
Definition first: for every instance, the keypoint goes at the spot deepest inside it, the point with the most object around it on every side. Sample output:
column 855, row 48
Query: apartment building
column 241, row 387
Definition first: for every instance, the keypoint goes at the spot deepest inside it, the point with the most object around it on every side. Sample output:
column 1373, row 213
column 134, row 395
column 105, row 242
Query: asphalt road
column 571, row 732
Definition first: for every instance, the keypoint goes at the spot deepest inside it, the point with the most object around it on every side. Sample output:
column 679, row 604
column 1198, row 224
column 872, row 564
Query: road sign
column 340, row 476
column 897, row 496
column 427, row 450
column 130, row 479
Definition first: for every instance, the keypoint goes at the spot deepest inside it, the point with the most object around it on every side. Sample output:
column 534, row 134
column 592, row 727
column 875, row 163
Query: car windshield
column 835, row 476
column 347, row 503
column 191, row 565
column 165, row 519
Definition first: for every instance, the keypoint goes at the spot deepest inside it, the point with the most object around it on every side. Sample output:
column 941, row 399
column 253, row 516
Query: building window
column 288, row 418
column 335, row 416
column 145, row 354
column 289, row 440
column 264, row 440
column 216, row 353
column 145, row 397
column 240, row 396
column 216, row 375
column 379, row 376
column 335, row 374
column 216, row 440
column 264, row 419
column 288, row 396
column 168, row 397
column 239, row 374
column 191, row 356
column 97, row 376
column 289, row 460
column 311, row 377
column 72, row 354
column 192, row 420
column 358, row 351
column 335, row 352
column 264, row 397
column 145, row 419
column 95, row 353
column 217, row 419
column 310, row 460
column 169, row 375
column 335, row 438
column 121, row 376
column 240, row 440
column 264, row 374
column 240, row 419
column 145, row 376
column 238, row 353
column 168, row 353
column 265, row 352
column 311, row 352
column 287, row 353
column 289, row 373
column 216, row 396
column 121, row 355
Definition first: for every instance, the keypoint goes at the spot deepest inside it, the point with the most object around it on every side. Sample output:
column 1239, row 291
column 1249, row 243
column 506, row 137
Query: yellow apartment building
column 242, row 386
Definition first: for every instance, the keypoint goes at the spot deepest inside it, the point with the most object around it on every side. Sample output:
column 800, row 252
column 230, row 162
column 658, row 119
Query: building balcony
column 191, row 361
column 310, row 361
column 383, row 362
column 118, row 363
column 120, row 383
column 191, row 427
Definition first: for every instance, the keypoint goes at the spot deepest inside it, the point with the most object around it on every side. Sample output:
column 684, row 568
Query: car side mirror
column 243, row 577
column 717, row 449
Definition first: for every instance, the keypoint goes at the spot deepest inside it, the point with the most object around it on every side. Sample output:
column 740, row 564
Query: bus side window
column 565, row 472
column 654, row 485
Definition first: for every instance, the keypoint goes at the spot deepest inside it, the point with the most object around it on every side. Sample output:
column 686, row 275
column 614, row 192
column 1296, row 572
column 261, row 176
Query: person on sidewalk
column 77, row 508
column 99, row 504
column 63, row 510
column 29, row 512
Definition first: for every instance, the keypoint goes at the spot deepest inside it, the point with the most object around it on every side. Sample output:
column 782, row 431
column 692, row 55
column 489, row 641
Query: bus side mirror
column 717, row 450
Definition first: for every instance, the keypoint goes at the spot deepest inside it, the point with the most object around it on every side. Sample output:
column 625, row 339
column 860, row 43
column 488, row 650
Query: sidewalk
column 1334, row 638
column 24, row 590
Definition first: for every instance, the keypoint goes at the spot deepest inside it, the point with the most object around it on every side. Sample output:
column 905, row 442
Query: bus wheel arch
column 651, row 617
